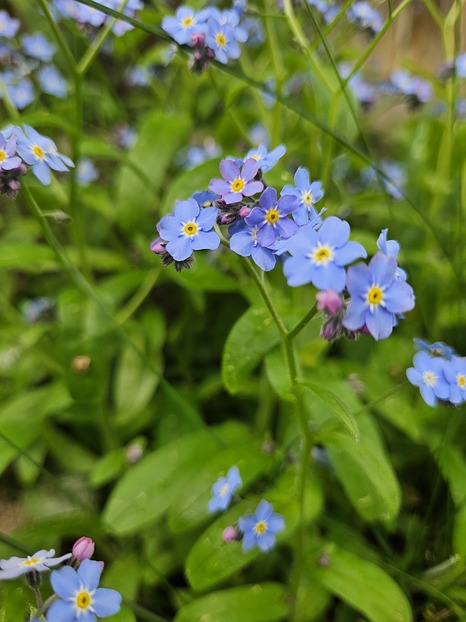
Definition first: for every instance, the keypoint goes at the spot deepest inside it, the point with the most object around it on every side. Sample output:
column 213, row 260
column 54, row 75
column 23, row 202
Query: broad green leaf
column 190, row 509
column 149, row 488
column 452, row 465
column 263, row 602
column 363, row 585
column 34, row 258
column 66, row 450
column 158, row 140
column 337, row 406
column 108, row 468
column 253, row 335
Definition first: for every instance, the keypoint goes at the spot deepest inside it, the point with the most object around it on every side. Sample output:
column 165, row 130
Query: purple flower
column 455, row 373
column 428, row 374
column 266, row 160
column 260, row 528
column 223, row 490
column 319, row 257
column 244, row 242
column 221, row 39
column 40, row 561
column 307, row 194
column 237, row 182
column 189, row 229
column 185, row 24
column 271, row 217
column 81, row 600
column 8, row 159
column 377, row 296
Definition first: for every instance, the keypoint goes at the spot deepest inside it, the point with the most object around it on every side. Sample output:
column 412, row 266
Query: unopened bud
column 158, row 246
column 245, row 211
column 329, row 301
column 229, row 534
column 83, row 548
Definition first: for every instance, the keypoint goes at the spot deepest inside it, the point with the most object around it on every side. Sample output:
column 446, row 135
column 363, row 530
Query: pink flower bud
column 245, row 211
column 83, row 548
column 329, row 301
column 229, row 534
column 158, row 246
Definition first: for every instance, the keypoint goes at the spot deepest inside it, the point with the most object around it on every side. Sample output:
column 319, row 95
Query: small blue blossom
column 244, row 242
column 52, row 82
column 185, row 24
column 189, row 229
column 86, row 172
column 260, row 528
column 411, row 86
column 271, row 217
column 428, row 374
column 80, row 598
column 366, row 16
column 41, row 561
column 38, row 47
column 21, row 93
column 222, row 40
column 460, row 65
column 237, row 182
column 223, row 490
column 455, row 373
column 435, row 349
column 205, row 198
column 390, row 248
column 8, row 25
column 8, row 158
column 377, row 297
column 307, row 194
column 266, row 160
column 319, row 257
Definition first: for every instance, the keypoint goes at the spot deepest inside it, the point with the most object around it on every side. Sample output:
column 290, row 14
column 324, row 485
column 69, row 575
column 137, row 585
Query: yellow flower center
column 221, row 39
column 272, row 215
column 2, row 155
column 190, row 228
column 38, row 151
column 31, row 561
column 260, row 527
column 224, row 490
column 187, row 22
column 461, row 380
column 322, row 255
column 374, row 295
column 237, row 185
column 307, row 198
column 430, row 378
column 83, row 600
column 255, row 156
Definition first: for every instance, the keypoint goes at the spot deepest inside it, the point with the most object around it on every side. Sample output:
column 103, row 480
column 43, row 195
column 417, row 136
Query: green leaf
column 263, row 602
column 452, row 465
column 363, row 585
column 34, row 258
column 159, row 138
column 252, row 336
column 337, row 406
column 66, row 450
column 108, row 468
column 151, row 486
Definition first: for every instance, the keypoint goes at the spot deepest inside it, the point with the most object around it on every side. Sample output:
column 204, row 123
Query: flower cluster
column 89, row 17
column 268, row 227
column 21, row 147
column 212, row 33
column 76, row 592
column 26, row 64
column 258, row 529
column 439, row 373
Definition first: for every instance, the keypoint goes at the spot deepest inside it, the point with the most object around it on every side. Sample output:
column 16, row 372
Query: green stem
column 62, row 44
column 303, row 323
column 139, row 297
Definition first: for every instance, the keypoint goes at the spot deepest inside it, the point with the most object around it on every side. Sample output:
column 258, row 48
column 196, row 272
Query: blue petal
column 89, row 573
column 298, row 272
column 355, row 317
column 242, row 243
column 383, row 269
column 264, row 258
column 186, row 211
column 399, row 297
column 61, row 611
column 379, row 323
column 264, row 510
column 180, row 249
column 268, row 198
column 286, row 227
column 65, row 581
column 349, row 252
column 266, row 541
column 334, row 231
column 106, row 602
column 229, row 170
column 266, row 235
column 42, row 172
column 414, row 376
column 169, row 228
column 207, row 218
column 329, row 277
column 301, row 178
column 249, row 540
column 358, row 280
column 205, row 240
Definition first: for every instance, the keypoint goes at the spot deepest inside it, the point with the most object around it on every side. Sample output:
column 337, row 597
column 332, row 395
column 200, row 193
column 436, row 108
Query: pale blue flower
column 261, row 528
column 428, row 374
column 223, row 489
column 41, row 561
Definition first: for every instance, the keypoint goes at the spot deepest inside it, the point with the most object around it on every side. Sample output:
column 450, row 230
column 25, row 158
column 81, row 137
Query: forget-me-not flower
column 378, row 297
column 320, row 257
column 260, row 528
column 307, row 194
column 271, row 217
column 52, row 82
column 41, row 561
column 237, row 182
column 428, row 374
column 221, row 39
column 435, row 349
column 185, row 24
column 9, row 26
column 455, row 373
column 80, row 598
column 223, row 489
column 8, row 158
column 266, row 159
column 41, row 153
column 244, row 242
column 38, row 47
column 390, row 248
column 189, row 229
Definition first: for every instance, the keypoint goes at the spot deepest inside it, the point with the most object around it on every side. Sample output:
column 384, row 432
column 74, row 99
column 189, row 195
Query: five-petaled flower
column 237, row 182
column 307, row 193
column 223, row 489
column 271, row 217
column 80, row 598
column 428, row 374
column 189, row 229
column 40, row 561
column 260, row 528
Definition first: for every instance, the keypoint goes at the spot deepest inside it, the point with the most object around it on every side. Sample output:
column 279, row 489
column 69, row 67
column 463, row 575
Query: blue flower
column 435, row 349
column 237, row 182
column 52, row 82
column 244, row 242
column 21, row 93
column 8, row 158
column 428, row 374
column 307, row 194
column 365, row 15
column 38, row 47
column 221, row 39
column 412, row 86
column 455, row 373
column 319, row 257
column 189, row 229
column 8, row 25
column 86, row 172
column 260, row 529
column 41, row 153
column 81, row 600
column 185, row 24
column 223, row 490
column 266, row 160
column 271, row 217
column 390, row 248
column 41, row 561
column 377, row 296
column 460, row 65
